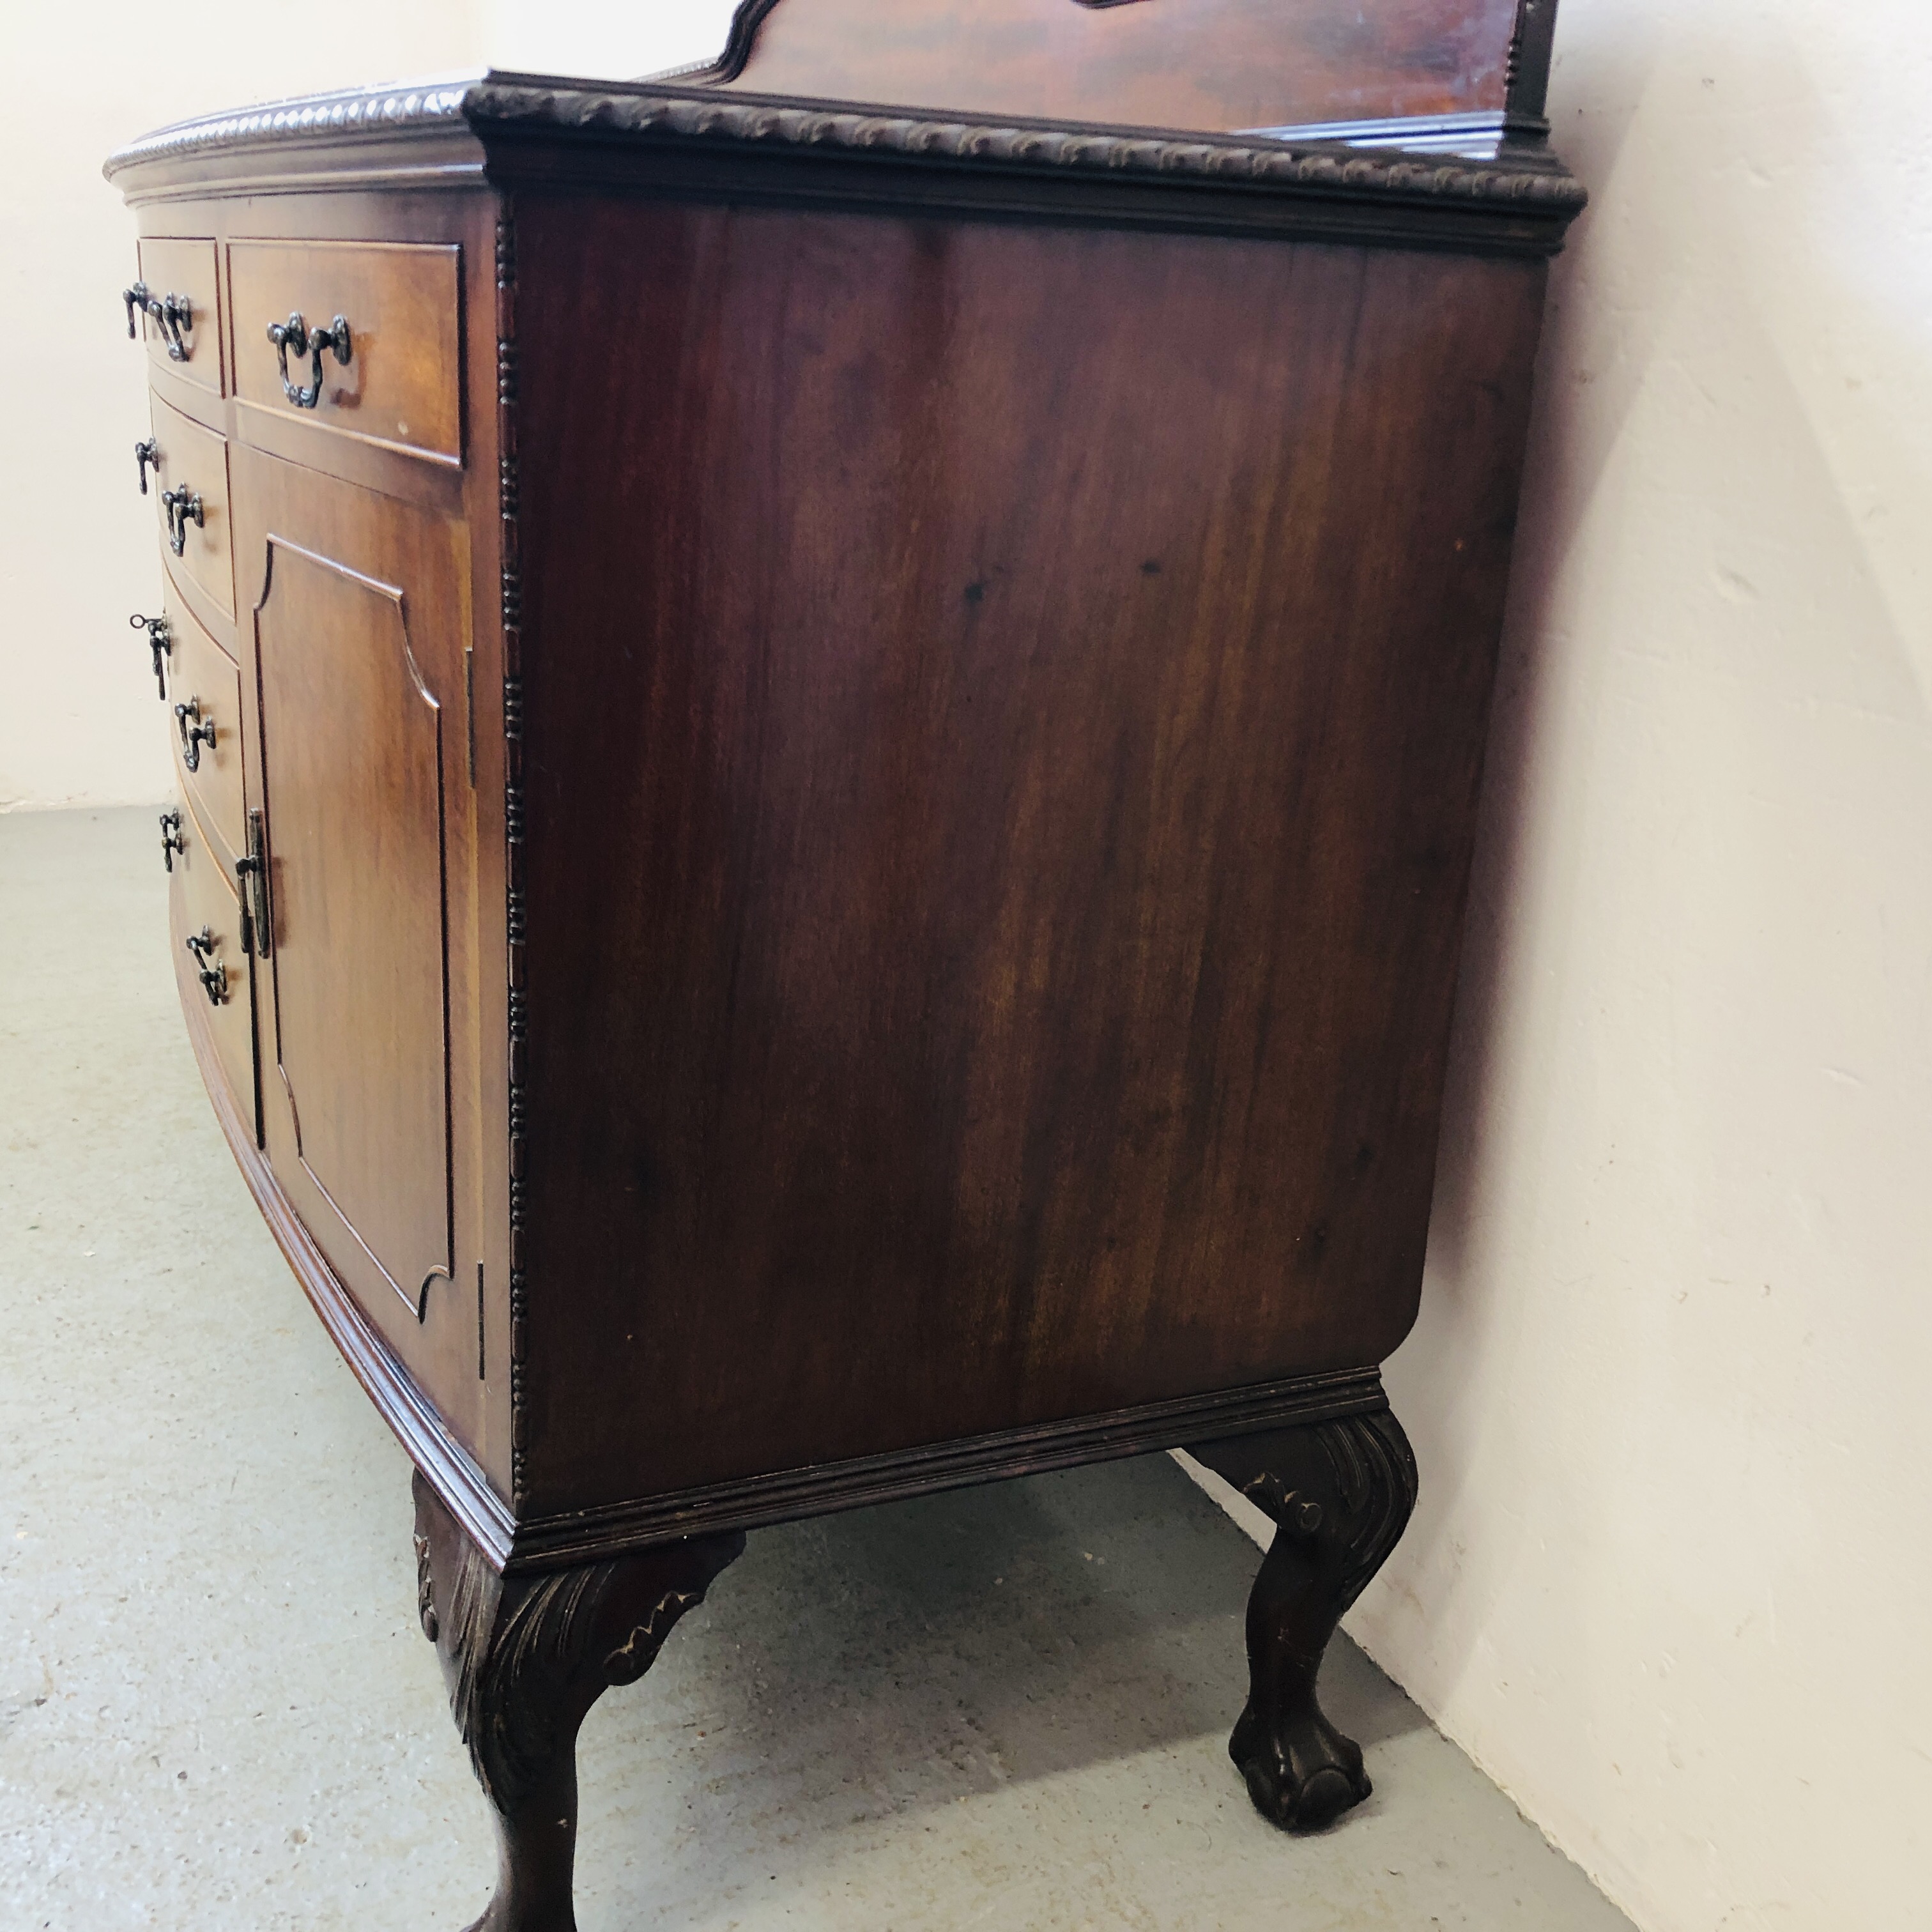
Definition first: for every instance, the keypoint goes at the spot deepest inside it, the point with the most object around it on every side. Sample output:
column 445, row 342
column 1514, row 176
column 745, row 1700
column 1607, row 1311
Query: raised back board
column 1339, row 67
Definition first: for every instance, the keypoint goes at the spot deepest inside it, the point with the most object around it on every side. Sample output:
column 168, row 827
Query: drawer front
column 402, row 386
column 204, row 698
column 194, row 460
column 177, row 273
column 203, row 908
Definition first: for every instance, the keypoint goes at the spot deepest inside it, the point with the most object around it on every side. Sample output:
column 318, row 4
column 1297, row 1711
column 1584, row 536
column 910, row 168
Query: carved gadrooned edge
column 696, row 115
column 354, row 111
column 512, row 590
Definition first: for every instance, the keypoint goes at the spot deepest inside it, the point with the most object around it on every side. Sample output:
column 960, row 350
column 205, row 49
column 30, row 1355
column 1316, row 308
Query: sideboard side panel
column 1003, row 710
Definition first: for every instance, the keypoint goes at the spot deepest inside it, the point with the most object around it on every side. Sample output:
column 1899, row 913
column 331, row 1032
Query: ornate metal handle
column 161, row 642
column 181, row 508
column 171, row 842
column 194, row 735
column 296, row 334
column 209, row 971
column 251, row 886
column 174, row 316
column 147, row 451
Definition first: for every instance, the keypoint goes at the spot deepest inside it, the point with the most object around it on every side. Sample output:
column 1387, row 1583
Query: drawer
column 402, row 386
column 181, row 275
column 194, row 459
column 202, row 901
column 204, row 698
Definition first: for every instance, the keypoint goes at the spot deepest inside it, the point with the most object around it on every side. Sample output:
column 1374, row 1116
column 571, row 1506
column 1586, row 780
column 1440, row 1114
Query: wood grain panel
column 1213, row 65
column 359, row 621
column 1004, row 715
column 201, row 675
column 352, row 749
column 172, row 266
column 195, row 458
column 403, row 385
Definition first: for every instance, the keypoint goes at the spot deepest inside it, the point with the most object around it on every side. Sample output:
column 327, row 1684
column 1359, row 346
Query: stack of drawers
column 204, row 835
column 312, row 461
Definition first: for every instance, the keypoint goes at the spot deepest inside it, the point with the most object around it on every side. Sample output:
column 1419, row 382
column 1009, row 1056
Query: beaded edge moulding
column 697, row 114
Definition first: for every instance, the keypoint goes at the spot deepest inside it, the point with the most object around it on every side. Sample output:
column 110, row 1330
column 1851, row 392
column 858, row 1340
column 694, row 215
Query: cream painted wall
column 615, row 39
column 81, row 722
column 1669, row 1580
column 76, row 544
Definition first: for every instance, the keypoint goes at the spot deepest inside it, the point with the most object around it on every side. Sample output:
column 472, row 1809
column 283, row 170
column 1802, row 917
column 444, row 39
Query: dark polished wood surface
column 403, row 385
column 922, row 754
column 960, row 733
column 359, row 624
column 844, row 756
column 1222, row 64
column 1030, row 865
column 203, row 697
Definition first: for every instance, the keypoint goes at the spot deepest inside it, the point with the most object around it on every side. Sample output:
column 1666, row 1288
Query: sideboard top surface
column 1210, row 65
column 1420, row 139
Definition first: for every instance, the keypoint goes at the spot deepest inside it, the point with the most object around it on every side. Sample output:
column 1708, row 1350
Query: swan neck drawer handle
column 173, row 316
column 181, row 508
column 208, row 970
column 161, row 642
column 196, row 731
column 295, row 334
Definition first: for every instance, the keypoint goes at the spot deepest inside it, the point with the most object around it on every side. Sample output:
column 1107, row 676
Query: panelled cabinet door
column 359, row 618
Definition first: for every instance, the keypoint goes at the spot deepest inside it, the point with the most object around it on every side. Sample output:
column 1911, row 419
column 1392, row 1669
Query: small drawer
column 190, row 488
column 175, row 307
column 204, row 700
column 402, row 385
column 216, row 975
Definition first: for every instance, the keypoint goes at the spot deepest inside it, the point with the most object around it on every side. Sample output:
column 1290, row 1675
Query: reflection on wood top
column 1220, row 66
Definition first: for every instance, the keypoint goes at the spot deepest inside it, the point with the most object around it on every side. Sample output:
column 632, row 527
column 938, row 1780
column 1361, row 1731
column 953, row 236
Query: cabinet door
column 359, row 621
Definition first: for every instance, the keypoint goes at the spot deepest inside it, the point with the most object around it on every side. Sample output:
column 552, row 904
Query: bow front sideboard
column 828, row 714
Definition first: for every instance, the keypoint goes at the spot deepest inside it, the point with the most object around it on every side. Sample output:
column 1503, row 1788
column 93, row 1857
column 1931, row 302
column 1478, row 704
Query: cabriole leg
column 525, row 1658
column 1338, row 1494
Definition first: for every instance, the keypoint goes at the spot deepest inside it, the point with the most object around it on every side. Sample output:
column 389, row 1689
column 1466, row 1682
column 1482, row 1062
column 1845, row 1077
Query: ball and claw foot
column 1303, row 1774
column 1339, row 1494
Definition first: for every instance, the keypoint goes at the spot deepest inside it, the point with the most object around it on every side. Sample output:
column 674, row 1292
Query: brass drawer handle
column 194, row 735
column 295, row 334
column 181, row 508
column 147, row 451
column 208, row 970
column 161, row 642
column 171, row 842
column 174, row 316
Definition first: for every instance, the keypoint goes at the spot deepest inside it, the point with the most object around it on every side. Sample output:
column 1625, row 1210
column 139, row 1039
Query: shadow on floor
column 909, row 1658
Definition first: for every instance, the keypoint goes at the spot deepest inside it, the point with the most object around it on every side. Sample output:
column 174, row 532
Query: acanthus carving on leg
column 1339, row 1494
column 525, row 1658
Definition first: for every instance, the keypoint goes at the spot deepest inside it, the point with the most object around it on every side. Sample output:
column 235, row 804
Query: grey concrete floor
column 1004, row 1707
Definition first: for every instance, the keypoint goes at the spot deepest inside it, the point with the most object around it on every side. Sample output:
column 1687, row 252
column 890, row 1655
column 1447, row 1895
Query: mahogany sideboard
column 828, row 714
